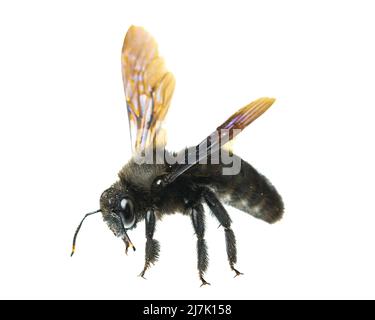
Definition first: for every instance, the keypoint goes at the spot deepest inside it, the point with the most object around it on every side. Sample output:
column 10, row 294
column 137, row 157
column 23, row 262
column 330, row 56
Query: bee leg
column 222, row 216
column 197, row 218
column 152, row 245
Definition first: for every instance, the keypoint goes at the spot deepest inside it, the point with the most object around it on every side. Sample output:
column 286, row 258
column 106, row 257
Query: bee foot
column 238, row 273
column 204, row 282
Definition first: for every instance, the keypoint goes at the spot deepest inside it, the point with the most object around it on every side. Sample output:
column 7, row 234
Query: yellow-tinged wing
column 148, row 87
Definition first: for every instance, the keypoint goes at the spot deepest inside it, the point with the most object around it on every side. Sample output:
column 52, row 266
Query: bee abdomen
column 252, row 193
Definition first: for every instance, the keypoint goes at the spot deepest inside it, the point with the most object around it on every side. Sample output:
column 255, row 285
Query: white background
column 64, row 137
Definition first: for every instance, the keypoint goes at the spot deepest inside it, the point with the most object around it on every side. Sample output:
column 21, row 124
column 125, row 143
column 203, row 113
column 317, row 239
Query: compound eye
column 127, row 213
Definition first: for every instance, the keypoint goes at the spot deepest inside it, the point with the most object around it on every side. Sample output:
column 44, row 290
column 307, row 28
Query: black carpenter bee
column 157, row 182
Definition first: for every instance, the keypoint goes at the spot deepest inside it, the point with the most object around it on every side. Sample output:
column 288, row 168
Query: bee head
column 118, row 210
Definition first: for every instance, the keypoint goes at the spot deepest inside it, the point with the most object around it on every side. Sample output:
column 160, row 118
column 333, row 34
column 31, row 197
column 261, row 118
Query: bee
column 156, row 182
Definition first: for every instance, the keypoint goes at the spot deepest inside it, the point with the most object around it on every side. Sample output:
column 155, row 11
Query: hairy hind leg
column 222, row 216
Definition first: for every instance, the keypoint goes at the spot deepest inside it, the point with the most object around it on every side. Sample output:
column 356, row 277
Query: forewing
column 246, row 115
column 148, row 87
column 224, row 133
